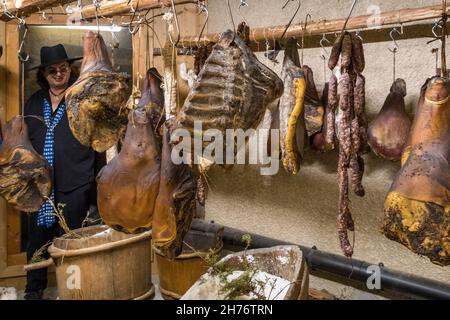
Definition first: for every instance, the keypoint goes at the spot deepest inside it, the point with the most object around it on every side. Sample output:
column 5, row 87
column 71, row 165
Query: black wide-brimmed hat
column 54, row 55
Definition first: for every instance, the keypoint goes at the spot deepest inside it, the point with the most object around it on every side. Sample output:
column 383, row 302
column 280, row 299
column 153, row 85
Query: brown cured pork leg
column 417, row 206
column 175, row 204
column 152, row 99
column 96, row 101
column 389, row 130
column 128, row 185
column 25, row 176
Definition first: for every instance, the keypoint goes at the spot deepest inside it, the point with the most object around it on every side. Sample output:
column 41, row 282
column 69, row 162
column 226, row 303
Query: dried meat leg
column 128, row 185
column 417, row 205
column 96, row 101
column 175, row 204
column 314, row 110
column 25, row 176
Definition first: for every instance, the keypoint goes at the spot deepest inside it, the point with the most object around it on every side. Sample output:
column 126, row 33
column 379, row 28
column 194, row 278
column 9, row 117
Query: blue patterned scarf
column 46, row 215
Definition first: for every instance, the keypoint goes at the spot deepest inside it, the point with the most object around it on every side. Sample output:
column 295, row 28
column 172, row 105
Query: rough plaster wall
column 302, row 209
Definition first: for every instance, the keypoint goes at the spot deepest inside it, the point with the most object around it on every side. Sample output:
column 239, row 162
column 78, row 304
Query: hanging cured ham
column 232, row 91
column 291, row 112
column 314, row 110
column 152, row 98
column 388, row 132
column 96, row 101
column 324, row 140
column 25, row 176
column 128, row 185
column 418, row 203
column 175, row 204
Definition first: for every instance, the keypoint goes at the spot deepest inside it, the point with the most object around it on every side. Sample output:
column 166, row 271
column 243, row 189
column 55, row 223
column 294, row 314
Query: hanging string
column 394, row 53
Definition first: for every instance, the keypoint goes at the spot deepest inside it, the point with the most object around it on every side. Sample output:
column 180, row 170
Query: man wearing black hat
column 73, row 164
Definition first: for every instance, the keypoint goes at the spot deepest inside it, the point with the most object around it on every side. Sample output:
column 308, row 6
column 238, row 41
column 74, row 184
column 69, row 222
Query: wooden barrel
column 103, row 264
column 176, row 276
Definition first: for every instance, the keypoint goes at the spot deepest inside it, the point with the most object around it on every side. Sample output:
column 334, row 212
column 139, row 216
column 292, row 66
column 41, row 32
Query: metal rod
column 344, row 268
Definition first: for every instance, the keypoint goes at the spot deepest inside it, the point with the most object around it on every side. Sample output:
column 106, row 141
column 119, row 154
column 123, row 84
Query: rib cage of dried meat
column 351, row 127
column 96, row 101
column 418, row 204
column 232, row 90
column 25, row 176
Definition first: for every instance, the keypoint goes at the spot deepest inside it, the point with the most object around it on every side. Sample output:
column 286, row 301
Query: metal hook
column 292, row 19
column 433, row 30
column 176, row 24
column 19, row 52
column 324, row 38
column 303, row 35
column 6, row 12
column 203, row 8
column 358, row 34
column 232, row 20
column 349, row 15
column 42, row 13
column 243, row 4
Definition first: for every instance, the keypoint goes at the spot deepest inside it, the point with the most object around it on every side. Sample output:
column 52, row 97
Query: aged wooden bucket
column 176, row 276
column 103, row 264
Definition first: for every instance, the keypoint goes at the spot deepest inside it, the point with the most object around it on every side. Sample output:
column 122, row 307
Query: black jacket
column 74, row 164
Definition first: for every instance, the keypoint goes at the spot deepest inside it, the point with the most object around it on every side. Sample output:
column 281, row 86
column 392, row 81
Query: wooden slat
column 12, row 109
column 3, row 229
column 17, row 259
column 394, row 17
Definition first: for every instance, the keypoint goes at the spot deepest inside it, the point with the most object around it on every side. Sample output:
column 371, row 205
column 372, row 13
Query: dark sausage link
column 358, row 54
column 346, row 53
column 335, row 52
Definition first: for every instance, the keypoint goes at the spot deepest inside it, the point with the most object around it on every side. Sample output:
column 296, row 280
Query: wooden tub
column 103, row 264
column 177, row 275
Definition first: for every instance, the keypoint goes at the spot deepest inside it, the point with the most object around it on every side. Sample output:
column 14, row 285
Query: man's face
column 57, row 75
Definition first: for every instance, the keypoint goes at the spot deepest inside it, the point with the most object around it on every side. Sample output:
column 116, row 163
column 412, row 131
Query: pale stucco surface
column 302, row 209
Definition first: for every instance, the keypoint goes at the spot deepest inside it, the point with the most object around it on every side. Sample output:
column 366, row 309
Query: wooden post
column 12, row 109
column 3, row 221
